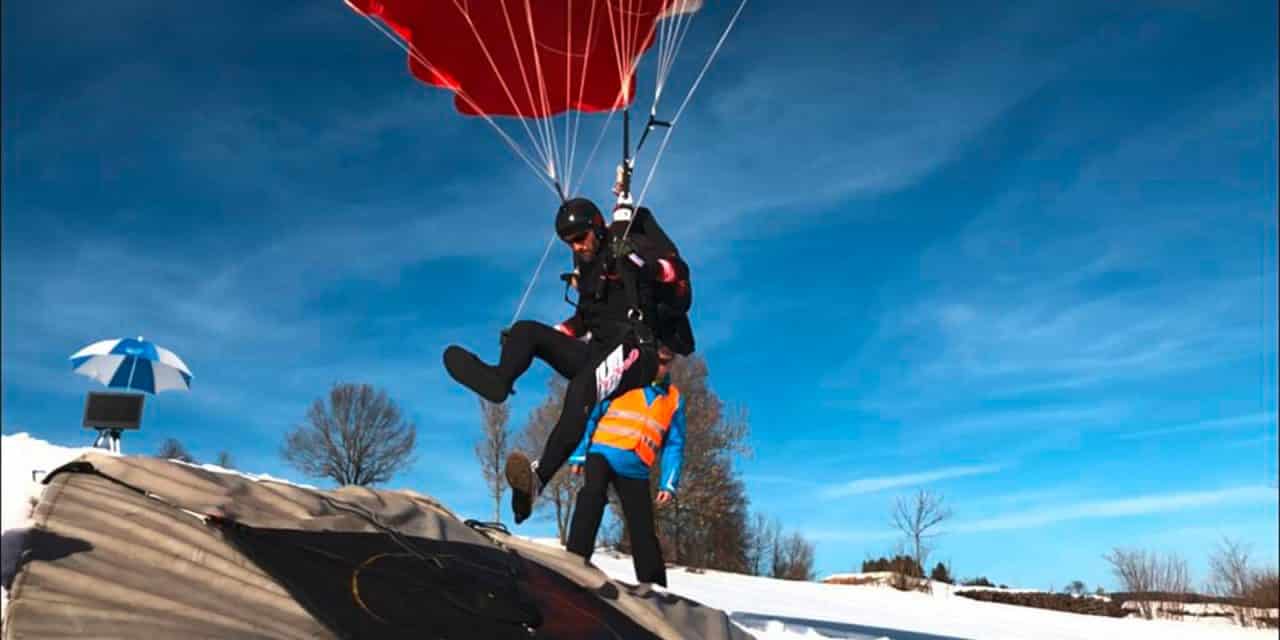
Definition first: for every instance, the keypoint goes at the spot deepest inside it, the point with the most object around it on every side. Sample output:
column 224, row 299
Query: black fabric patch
column 379, row 585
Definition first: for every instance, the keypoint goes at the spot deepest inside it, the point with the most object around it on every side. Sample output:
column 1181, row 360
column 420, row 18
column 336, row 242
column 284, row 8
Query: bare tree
column 762, row 536
column 1148, row 576
column 1231, row 576
column 559, row 494
column 1229, row 569
column 706, row 525
column 917, row 518
column 172, row 449
column 492, row 449
column 793, row 558
column 1265, row 593
column 1135, row 571
column 1174, row 577
column 357, row 437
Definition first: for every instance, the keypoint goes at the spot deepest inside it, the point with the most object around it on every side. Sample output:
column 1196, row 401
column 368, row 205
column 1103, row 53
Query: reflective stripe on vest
column 634, row 425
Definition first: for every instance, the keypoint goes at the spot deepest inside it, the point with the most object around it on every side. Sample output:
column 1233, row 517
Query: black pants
column 595, row 370
column 637, row 513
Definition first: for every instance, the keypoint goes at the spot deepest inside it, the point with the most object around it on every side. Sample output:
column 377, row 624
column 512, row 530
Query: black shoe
column 474, row 374
column 522, row 475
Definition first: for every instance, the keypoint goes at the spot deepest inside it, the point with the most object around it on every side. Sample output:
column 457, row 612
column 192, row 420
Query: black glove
column 502, row 337
column 626, row 255
column 621, row 246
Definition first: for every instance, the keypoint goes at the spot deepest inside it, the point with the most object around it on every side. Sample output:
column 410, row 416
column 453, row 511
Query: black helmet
column 577, row 216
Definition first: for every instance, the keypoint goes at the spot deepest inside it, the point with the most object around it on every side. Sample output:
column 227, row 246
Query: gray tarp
column 113, row 562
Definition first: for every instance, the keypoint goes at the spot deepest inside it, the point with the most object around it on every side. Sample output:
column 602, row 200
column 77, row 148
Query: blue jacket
column 625, row 462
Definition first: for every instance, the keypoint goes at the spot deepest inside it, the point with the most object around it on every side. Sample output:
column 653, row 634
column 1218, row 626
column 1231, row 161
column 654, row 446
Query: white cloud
column 1023, row 419
column 779, row 480
column 1125, row 507
column 1216, row 424
column 1128, row 286
column 884, row 483
column 1046, row 495
column 875, row 125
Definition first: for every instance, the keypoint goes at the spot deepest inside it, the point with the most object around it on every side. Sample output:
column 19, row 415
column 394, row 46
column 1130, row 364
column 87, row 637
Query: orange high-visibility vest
column 633, row 424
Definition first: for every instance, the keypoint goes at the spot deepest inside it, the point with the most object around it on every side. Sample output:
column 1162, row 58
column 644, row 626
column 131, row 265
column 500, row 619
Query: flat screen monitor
column 106, row 410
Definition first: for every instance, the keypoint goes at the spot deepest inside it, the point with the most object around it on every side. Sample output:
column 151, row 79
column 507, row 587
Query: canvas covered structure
column 130, row 546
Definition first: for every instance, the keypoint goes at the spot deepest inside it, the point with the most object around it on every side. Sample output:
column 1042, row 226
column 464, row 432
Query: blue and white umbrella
column 132, row 363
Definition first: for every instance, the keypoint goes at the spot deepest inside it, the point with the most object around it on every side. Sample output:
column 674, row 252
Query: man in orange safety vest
column 624, row 438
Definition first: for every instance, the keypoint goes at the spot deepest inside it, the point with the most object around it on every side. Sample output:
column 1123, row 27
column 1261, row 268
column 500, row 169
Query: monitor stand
column 108, row 439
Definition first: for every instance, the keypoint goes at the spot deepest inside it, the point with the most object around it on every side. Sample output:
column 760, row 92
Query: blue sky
column 1023, row 255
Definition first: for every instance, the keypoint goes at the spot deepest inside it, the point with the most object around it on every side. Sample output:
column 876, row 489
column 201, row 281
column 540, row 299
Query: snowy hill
column 786, row 609
column 770, row 609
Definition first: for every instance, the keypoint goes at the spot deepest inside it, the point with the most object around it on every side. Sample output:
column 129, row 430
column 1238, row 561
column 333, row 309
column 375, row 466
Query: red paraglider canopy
column 527, row 58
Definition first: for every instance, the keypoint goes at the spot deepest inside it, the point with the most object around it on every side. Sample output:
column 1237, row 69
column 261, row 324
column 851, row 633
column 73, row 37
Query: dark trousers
column 596, row 371
column 637, row 513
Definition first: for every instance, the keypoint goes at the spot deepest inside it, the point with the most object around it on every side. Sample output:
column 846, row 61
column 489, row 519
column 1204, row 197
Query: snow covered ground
column 21, row 456
column 770, row 609
column 818, row 610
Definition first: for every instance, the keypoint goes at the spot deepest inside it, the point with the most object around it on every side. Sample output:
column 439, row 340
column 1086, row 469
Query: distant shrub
column 853, row 580
column 1264, row 591
column 895, row 580
column 978, row 582
column 1142, row 571
column 1166, row 596
column 1076, row 588
column 172, row 449
column 1052, row 601
column 1254, row 591
column 941, row 573
column 901, row 564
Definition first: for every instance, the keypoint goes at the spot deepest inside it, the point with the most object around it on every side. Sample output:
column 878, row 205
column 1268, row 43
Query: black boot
column 474, row 374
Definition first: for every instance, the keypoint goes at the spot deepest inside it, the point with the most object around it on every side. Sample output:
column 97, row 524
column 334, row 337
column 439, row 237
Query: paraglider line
column 668, row 46
column 547, row 152
column 542, row 151
column 515, row 147
column 548, row 125
column 529, row 289
column 576, row 116
column 596, row 147
column 568, row 74
column 623, row 85
column 666, row 138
